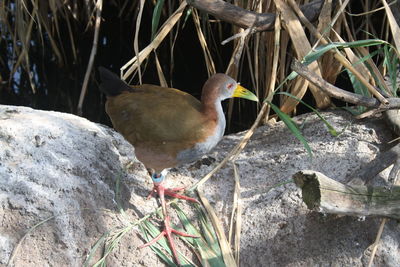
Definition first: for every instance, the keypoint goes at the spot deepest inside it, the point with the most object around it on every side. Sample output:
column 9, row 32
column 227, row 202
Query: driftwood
column 326, row 195
column 249, row 19
column 391, row 111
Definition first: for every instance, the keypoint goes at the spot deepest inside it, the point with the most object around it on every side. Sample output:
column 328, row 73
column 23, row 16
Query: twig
column 238, row 35
column 250, row 19
column 338, row 56
column 99, row 7
column 393, row 175
column 164, row 30
column 369, row 11
column 235, row 151
column 333, row 91
column 375, row 244
column 136, row 39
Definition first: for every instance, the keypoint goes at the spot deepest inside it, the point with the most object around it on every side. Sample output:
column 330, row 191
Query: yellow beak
column 242, row 92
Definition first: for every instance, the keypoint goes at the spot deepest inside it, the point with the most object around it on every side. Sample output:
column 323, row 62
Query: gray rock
column 55, row 164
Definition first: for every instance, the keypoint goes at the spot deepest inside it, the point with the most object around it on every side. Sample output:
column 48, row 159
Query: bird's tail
column 111, row 84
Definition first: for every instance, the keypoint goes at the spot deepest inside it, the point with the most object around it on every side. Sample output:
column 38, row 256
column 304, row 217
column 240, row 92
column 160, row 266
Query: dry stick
column 333, row 91
column 239, row 209
column 235, row 151
column 99, row 7
column 207, row 55
column 165, row 29
column 136, row 39
column 225, row 248
column 350, row 54
column 302, row 47
column 337, row 54
column 233, row 66
column 370, row 11
column 375, row 244
column 355, row 99
column 326, row 195
column 393, row 175
column 161, row 77
column 249, row 19
column 277, row 44
column 241, row 34
column 394, row 27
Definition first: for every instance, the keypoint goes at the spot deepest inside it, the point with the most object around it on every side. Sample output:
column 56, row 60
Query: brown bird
column 169, row 127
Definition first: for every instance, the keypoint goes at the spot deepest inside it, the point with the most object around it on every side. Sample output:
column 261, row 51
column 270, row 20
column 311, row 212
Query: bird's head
column 225, row 87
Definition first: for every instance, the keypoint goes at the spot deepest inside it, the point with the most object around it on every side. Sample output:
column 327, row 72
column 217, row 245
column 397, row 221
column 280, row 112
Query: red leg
column 159, row 187
column 168, row 231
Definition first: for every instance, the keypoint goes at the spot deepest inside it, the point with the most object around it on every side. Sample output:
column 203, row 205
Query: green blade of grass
column 209, row 257
column 188, row 13
column 331, row 129
column 150, row 231
column 292, row 127
column 95, row 247
column 156, row 18
column 208, row 232
column 321, row 50
column 391, row 62
column 113, row 243
column 210, row 237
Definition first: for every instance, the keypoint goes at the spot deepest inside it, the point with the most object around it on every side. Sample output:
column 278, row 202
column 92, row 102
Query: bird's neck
column 210, row 102
column 212, row 109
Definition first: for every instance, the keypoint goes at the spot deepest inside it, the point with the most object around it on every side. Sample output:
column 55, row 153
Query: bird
column 168, row 127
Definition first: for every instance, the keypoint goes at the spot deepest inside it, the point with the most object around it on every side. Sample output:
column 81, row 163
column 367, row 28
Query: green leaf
column 331, row 129
column 150, row 231
column 156, row 18
column 321, row 50
column 391, row 62
column 188, row 13
column 94, row 249
column 208, row 232
column 209, row 257
column 292, row 127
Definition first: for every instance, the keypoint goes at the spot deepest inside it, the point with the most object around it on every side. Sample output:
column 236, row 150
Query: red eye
column 230, row 86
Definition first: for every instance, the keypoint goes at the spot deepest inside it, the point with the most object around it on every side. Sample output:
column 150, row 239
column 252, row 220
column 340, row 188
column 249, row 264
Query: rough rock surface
column 55, row 164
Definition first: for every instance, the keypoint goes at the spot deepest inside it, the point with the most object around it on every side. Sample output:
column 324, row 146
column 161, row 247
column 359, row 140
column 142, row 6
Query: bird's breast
column 202, row 148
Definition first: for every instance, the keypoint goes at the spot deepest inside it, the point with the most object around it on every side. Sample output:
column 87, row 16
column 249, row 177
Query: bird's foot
column 167, row 232
column 161, row 190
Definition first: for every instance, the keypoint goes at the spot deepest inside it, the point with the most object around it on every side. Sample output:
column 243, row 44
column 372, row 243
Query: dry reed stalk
column 330, row 68
column 238, row 207
column 133, row 64
column 302, row 47
column 234, row 153
column 207, row 55
column 136, row 39
column 354, row 59
column 277, row 36
column 233, row 66
column 160, row 73
column 225, row 248
column 394, row 174
column 257, row 53
column 338, row 56
column 394, row 27
column 283, row 59
column 99, row 6
column 364, row 52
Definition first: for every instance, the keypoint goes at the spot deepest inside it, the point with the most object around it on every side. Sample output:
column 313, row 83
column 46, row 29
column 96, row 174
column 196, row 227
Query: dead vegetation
column 264, row 38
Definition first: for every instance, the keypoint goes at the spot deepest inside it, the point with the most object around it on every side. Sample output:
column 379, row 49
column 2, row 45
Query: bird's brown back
column 159, row 122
